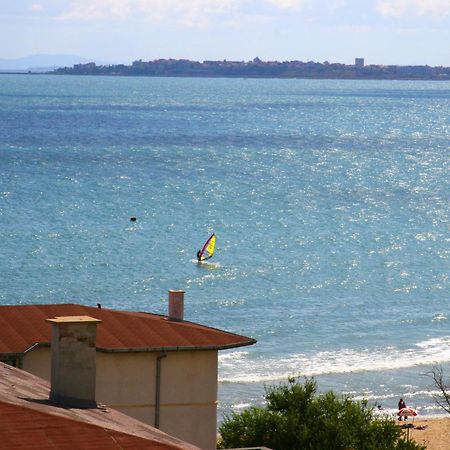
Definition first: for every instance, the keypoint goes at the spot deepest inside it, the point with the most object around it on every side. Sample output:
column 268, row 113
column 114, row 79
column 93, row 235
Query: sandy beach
column 435, row 435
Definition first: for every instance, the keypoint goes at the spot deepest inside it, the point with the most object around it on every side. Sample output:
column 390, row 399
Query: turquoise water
column 330, row 200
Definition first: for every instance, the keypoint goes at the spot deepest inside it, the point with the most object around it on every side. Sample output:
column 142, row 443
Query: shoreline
column 237, row 77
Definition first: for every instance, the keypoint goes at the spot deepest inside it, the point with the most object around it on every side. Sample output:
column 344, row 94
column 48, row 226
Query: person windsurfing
column 207, row 250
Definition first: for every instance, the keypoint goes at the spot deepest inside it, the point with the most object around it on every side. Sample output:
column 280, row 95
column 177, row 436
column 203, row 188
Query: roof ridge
column 120, row 330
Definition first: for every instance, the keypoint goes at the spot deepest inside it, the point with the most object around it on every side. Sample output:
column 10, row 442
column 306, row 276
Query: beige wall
column 127, row 382
column 189, row 382
column 38, row 362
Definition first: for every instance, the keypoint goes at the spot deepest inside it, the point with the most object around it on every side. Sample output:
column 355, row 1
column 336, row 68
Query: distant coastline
column 259, row 69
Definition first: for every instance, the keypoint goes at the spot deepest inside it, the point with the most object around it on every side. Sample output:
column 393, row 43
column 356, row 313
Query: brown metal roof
column 23, row 326
column 28, row 421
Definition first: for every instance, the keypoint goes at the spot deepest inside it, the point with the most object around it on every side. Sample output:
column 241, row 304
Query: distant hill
column 42, row 63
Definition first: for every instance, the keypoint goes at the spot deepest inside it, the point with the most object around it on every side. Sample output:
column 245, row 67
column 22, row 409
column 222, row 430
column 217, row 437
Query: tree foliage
column 296, row 417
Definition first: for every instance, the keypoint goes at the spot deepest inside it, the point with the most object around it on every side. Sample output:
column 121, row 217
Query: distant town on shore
column 260, row 69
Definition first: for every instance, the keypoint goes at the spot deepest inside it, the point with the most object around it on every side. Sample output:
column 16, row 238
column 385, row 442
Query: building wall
column 189, row 382
column 38, row 362
column 127, row 382
column 188, row 391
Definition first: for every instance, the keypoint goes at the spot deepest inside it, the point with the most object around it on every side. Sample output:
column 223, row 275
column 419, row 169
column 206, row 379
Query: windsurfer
column 207, row 251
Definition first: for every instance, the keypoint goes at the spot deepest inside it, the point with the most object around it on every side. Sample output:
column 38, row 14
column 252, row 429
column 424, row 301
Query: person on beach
column 401, row 405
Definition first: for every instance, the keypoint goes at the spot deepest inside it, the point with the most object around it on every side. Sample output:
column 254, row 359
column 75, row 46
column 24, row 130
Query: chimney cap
column 74, row 319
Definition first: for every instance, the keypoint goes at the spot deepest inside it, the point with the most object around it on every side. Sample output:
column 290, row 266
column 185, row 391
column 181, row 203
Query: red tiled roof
column 23, row 326
column 28, row 421
column 22, row 428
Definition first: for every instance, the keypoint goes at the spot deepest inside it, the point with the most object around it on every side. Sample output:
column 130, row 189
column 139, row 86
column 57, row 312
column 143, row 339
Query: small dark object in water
column 99, row 305
column 133, row 219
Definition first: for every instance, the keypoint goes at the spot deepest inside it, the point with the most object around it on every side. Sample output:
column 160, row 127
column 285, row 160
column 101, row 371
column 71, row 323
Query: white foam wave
column 393, row 395
column 435, row 343
column 244, row 367
column 241, row 405
column 439, row 317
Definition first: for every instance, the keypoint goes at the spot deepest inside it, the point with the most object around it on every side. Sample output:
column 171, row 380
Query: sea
column 329, row 198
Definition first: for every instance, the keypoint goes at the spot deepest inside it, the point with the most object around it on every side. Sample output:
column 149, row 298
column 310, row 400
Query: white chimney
column 73, row 374
column 176, row 305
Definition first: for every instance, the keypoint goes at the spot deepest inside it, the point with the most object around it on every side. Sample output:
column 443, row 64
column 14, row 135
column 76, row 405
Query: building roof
column 24, row 326
column 29, row 421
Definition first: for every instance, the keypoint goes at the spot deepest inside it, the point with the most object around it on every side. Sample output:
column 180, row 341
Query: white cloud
column 187, row 12
column 191, row 12
column 292, row 5
column 397, row 8
column 36, row 7
column 97, row 9
column 356, row 28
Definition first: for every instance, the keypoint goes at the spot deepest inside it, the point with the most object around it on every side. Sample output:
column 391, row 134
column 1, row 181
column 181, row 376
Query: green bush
column 297, row 418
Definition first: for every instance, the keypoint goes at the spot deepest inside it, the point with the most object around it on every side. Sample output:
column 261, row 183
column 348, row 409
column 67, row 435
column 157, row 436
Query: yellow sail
column 211, row 245
column 208, row 249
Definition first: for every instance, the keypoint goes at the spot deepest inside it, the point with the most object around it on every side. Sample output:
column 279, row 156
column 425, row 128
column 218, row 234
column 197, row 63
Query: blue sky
column 381, row 31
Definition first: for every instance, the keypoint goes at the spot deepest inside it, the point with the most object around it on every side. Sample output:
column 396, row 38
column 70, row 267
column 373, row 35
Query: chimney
column 176, row 305
column 73, row 361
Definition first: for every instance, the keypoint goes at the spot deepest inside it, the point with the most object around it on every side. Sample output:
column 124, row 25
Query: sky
column 120, row 31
